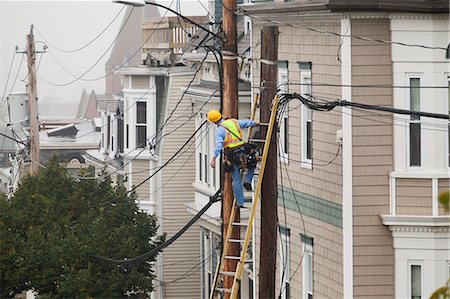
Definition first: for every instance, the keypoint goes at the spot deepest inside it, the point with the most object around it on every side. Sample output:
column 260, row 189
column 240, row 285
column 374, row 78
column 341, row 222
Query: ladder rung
column 228, row 273
column 230, row 257
column 236, row 241
column 258, row 140
column 263, row 124
column 223, row 290
column 240, row 224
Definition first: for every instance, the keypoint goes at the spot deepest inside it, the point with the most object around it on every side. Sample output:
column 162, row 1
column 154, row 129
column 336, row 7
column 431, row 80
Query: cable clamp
column 228, row 55
column 269, row 62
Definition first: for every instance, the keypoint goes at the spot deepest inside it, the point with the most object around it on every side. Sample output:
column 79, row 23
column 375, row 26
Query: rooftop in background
column 85, row 137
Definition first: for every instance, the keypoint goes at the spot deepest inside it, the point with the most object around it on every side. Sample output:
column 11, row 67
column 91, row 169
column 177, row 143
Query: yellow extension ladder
column 219, row 274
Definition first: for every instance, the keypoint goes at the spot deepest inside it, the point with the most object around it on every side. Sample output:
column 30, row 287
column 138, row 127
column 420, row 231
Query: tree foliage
column 53, row 227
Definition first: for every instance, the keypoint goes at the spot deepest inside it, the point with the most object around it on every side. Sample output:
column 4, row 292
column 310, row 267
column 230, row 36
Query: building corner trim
column 347, row 183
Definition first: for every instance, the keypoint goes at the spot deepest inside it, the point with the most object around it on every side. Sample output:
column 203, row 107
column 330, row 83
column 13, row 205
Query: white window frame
column 205, row 142
column 448, row 129
column 205, row 251
column 415, row 263
column 306, row 116
column 409, row 121
column 145, row 125
column 285, row 261
column 282, row 85
column 307, row 252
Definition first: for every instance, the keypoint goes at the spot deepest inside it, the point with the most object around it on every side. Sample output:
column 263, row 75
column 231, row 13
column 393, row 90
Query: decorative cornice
column 417, row 224
column 419, row 229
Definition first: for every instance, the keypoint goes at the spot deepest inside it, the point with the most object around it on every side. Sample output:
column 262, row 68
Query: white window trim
column 415, row 263
column 284, row 268
column 408, row 122
column 283, row 79
column 307, row 249
column 447, row 145
column 305, row 162
column 205, row 142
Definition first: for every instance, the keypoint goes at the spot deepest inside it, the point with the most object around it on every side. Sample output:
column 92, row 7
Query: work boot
column 248, row 186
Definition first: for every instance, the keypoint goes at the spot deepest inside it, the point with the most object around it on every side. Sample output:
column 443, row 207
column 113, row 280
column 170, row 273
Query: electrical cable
column 363, row 38
column 301, row 217
column 363, row 85
column 145, row 256
column 15, row 140
column 283, row 257
column 7, row 78
column 164, row 135
column 158, row 169
column 91, row 67
column 87, row 44
column 343, row 103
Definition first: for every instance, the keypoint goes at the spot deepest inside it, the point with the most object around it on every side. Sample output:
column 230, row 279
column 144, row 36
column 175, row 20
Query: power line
column 328, row 106
column 164, row 135
column 147, row 91
column 95, row 63
column 9, row 74
column 87, row 44
column 216, row 197
column 298, row 26
column 387, row 86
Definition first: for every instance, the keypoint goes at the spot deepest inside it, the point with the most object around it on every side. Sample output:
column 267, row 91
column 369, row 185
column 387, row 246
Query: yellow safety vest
column 233, row 133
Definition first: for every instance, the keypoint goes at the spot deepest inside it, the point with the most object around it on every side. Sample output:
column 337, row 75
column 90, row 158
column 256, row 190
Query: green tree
column 54, row 226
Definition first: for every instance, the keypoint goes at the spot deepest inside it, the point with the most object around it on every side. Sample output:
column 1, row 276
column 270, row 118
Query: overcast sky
column 67, row 25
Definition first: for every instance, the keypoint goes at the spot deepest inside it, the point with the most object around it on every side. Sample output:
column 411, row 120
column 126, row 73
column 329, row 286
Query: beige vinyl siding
column 140, row 82
column 373, row 255
column 322, row 182
column 178, row 177
column 140, row 172
column 414, row 197
column 444, row 186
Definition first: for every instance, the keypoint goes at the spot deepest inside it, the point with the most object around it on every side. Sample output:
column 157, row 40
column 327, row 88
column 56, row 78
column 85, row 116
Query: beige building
column 358, row 212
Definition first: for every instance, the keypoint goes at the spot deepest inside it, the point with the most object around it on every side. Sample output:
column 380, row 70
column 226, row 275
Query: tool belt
column 244, row 156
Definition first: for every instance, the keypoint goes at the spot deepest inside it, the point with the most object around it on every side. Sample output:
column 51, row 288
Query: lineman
column 229, row 137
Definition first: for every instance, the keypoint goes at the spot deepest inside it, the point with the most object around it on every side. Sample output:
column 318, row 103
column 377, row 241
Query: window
column 141, row 124
column 285, row 263
column 209, row 257
column 127, row 137
column 415, row 274
column 205, row 141
column 283, row 87
column 306, row 116
column 120, row 134
column 448, row 132
column 307, row 267
column 414, row 124
column 108, row 132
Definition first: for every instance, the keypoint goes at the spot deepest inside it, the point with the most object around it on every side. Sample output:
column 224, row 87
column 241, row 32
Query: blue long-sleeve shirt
column 221, row 133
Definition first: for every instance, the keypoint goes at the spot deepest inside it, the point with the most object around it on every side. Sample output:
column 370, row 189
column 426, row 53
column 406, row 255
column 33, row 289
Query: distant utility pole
column 229, row 109
column 268, row 247
column 33, row 104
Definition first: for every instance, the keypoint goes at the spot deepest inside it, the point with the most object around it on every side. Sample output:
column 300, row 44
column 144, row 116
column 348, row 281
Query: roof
column 85, row 137
column 64, row 131
column 414, row 6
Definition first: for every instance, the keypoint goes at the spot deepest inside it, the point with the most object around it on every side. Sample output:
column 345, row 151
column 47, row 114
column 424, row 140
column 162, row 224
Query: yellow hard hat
column 214, row 116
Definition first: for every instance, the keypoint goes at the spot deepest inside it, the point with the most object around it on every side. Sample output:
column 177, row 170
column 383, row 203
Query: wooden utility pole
column 229, row 109
column 33, row 104
column 268, row 247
